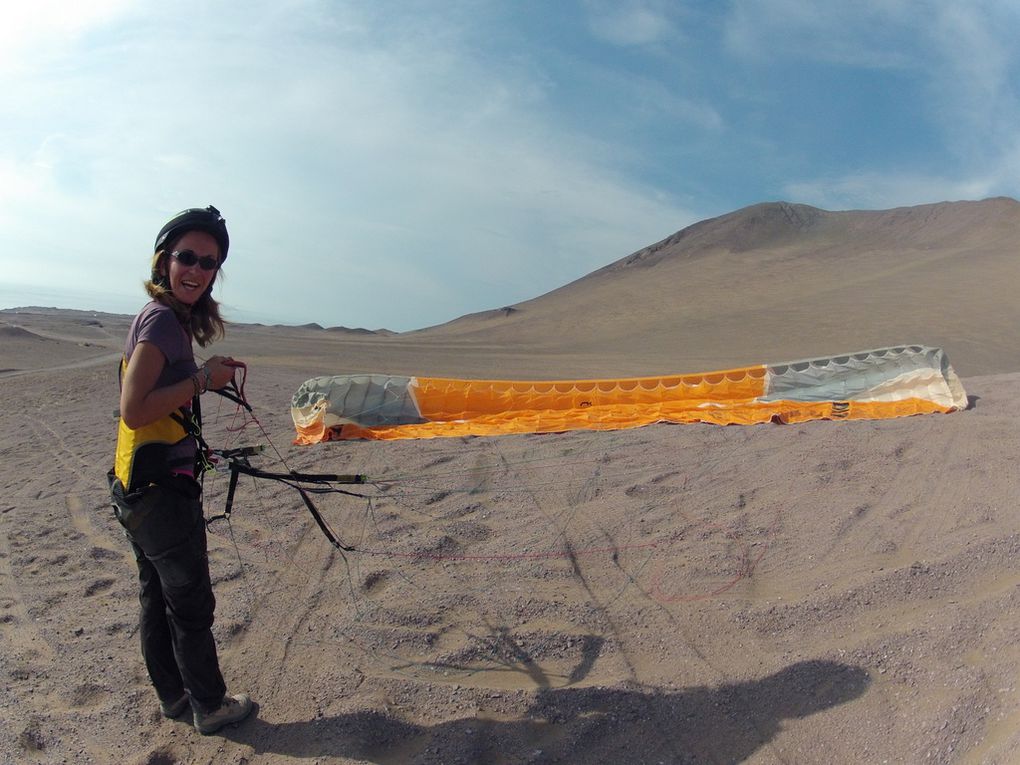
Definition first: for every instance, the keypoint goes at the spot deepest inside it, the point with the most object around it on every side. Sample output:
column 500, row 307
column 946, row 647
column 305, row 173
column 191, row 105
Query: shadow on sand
column 726, row 724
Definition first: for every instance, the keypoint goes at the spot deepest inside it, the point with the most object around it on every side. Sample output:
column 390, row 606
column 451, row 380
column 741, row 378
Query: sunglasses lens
column 189, row 258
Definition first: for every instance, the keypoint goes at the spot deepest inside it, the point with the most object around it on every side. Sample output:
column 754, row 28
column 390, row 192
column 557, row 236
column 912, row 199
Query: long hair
column 202, row 320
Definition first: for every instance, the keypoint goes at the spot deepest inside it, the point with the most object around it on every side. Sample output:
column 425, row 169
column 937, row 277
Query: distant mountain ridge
column 758, row 279
column 769, row 283
column 771, row 223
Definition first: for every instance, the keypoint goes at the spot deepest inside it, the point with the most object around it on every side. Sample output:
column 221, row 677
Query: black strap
column 238, row 459
column 238, row 465
column 323, row 526
column 355, row 478
column 229, row 505
column 231, row 393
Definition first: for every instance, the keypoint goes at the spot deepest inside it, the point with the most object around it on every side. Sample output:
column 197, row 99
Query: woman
column 156, row 496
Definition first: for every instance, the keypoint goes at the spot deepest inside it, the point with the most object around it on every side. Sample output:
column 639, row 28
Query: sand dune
column 827, row 592
column 779, row 281
column 51, row 342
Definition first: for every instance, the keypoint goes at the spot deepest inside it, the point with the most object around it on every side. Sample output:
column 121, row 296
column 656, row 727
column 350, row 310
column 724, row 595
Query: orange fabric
column 799, row 411
column 454, row 407
column 451, row 399
column 627, row 416
column 314, row 434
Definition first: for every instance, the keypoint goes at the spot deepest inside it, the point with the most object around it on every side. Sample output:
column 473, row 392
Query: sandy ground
column 820, row 593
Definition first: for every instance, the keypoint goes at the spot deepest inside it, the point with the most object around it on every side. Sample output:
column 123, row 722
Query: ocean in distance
column 23, row 296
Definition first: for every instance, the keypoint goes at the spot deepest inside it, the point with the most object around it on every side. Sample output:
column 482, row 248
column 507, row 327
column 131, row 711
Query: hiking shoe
column 233, row 709
column 172, row 709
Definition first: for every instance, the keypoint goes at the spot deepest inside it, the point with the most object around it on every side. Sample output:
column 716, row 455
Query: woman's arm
column 141, row 402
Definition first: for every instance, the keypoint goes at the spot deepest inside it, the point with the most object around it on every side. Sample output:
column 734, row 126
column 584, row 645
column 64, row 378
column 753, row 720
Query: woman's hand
column 221, row 371
column 142, row 403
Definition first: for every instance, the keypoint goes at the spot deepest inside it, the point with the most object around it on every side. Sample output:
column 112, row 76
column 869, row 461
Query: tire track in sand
column 17, row 627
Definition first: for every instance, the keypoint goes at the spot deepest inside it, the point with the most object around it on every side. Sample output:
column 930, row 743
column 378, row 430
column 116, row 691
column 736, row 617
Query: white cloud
column 395, row 168
column 961, row 58
column 973, row 83
column 879, row 191
column 375, row 170
column 630, row 22
column 42, row 28
column 864, row 34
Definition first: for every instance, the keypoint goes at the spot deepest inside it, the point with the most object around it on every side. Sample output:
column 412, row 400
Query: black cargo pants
column 166, row 528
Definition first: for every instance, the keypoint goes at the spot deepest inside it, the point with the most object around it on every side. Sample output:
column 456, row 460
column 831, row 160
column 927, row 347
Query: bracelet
column 195, row 383
column 208, row 377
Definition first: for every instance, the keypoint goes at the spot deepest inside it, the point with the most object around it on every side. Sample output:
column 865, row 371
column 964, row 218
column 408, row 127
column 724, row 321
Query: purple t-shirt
column 158, row 324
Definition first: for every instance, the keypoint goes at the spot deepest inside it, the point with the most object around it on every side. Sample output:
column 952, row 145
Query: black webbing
column 293, row 479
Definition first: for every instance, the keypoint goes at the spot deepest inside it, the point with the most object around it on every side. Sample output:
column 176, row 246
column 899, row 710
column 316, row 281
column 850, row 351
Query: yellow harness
column 142, row 452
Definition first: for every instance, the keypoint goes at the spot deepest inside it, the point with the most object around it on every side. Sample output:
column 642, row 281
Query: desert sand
column 832, row 592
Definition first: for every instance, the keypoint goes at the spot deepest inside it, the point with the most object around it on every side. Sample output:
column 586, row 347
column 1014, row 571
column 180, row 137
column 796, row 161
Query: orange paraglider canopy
column 887, row 382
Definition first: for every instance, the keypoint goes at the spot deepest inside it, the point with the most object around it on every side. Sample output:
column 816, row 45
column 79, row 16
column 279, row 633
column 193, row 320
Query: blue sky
column 399, row 164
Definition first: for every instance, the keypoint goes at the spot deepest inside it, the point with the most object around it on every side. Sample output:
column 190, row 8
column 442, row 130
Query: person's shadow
column 726, row 724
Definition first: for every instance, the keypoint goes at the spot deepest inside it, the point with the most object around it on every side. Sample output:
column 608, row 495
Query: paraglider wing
column 881, row 383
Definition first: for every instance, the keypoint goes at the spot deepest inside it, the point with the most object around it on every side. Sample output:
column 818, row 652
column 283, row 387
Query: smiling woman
column 189, row 251
column 155, row 495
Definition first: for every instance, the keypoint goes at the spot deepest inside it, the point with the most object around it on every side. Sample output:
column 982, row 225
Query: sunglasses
column 189, row 258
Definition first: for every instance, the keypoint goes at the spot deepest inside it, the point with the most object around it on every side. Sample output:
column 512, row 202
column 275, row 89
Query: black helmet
column 196, row 219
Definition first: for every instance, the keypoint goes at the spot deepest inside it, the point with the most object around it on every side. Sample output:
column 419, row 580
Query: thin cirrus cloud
column 630, row 22
column 371, row 142
column 960, row 62
column 400, row 166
